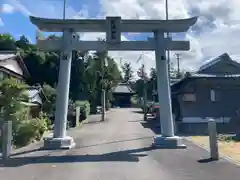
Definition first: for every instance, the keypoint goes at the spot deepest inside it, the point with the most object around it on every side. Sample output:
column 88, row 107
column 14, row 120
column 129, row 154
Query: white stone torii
column 113, row 26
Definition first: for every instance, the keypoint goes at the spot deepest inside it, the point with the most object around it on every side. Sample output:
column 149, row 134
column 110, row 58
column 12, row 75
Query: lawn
column 230, row 148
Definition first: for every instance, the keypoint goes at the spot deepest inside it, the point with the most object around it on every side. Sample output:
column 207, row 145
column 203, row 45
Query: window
column 214, row 95
column 189, row 97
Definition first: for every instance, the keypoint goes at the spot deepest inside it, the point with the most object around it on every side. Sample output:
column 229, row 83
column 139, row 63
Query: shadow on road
column 139, row 112
column 208, row 160
column 152, row 124
column 117, row 141
column 126, row 155
column 31, row 151
column 136, row 121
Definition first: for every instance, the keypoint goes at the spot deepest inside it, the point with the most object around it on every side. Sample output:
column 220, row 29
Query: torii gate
column 113, row 26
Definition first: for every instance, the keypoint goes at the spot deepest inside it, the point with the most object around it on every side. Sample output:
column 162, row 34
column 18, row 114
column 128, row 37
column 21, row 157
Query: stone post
column 213, row 143
column 7, row 140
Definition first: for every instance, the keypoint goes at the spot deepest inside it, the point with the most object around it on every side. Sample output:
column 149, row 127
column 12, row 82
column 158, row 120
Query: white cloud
column 215, row 32
column 46, row 8
column 7, row 8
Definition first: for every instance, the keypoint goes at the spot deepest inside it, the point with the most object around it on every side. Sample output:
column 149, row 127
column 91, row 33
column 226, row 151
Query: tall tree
column 7, row 42
column 152, row 87
column 127, row 72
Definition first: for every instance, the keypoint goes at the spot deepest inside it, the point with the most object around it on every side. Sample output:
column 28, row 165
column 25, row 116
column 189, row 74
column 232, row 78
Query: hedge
column 84, row 109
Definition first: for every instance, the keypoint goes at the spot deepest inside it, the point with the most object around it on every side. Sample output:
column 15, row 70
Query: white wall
column 12, row 65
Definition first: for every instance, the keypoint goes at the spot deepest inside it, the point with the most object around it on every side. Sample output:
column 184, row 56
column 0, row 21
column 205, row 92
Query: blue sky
column 16, row 22
column 215, row 32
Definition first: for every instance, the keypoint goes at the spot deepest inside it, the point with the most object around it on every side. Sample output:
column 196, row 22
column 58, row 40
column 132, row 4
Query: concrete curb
column 227, row 158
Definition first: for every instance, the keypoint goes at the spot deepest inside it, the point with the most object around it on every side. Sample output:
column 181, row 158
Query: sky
column 216, row 31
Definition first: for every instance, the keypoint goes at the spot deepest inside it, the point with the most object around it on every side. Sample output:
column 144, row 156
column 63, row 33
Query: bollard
column 213, row 144
column 7, row 140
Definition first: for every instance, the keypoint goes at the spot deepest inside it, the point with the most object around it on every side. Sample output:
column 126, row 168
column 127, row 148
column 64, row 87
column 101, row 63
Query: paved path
column 118, row 149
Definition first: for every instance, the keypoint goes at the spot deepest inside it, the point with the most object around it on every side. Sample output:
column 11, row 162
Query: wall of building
column 227, row 94
column 202, row 128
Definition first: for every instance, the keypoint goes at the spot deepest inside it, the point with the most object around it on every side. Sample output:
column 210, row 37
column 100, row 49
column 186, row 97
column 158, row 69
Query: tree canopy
column 85, row 77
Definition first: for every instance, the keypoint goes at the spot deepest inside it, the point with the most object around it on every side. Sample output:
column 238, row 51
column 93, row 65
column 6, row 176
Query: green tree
column 50, row 103
column 100, row 71
column 127, row 72
column 11, row 96
column 7, row 42
column 78, row 84
column 24, row 44
column 152, row 84
column 87, row 74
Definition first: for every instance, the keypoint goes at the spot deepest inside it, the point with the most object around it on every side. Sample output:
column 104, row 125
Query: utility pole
column 64, row 9
column 144, row 93
column 168, row 52
column 103, row 90
column 178, row 64
column 142, row 75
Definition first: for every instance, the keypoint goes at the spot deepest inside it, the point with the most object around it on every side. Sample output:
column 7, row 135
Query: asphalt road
column 117, row 149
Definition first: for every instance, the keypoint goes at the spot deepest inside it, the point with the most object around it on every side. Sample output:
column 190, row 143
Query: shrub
column 31, row 130
column 226, row 138
column 24, row 130
column 84, row 109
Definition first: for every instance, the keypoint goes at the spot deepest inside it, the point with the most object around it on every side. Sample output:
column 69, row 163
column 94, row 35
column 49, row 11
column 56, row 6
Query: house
column 122, row 95
column 155, row 93
column 211, row 92
column 12, row 65
column 36, row 97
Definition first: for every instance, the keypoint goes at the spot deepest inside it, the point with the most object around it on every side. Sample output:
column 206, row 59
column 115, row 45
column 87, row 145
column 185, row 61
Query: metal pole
column 103, row 90
column 64, row 9
column 178, row 65
column 144, row 88
column 144, row 93
column 168, row 52
column 166, row 6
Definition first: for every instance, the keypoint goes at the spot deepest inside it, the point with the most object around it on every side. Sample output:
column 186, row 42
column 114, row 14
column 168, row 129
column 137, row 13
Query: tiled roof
column 198, row 75
column 34, row 96
column 215, row 75
column 122, row 88
column 6, row 56
column 211, row 62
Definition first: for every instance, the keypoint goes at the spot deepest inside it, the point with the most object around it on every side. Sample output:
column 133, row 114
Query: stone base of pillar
column 174, row 142
column 59, row 143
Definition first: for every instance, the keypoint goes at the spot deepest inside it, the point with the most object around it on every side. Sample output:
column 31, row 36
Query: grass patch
column 227, row 145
